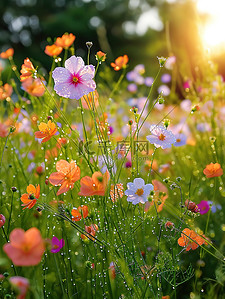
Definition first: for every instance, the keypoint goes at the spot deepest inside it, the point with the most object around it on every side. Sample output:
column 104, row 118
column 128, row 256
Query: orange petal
column 56, row 178
column 31, row 189
column 63, row 166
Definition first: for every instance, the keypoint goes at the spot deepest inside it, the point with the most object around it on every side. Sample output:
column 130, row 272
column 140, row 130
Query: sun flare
column 211, row 30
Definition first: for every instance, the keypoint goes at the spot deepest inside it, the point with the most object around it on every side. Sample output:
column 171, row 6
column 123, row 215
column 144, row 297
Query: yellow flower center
column 75, row 79
column 178, row 140
column 139, row 192
column 162, row 137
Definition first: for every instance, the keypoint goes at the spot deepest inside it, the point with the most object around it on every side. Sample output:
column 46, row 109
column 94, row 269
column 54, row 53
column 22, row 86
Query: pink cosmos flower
column 21, row 284
column 57, row 244
column 75, row 80
column 203, row 207
column 2, row 220
column 161, row 137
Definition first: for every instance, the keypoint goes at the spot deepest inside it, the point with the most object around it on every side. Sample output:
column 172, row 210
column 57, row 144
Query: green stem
column 4, row 150
column 118, row 83
column 60, row 279
column 10, row 214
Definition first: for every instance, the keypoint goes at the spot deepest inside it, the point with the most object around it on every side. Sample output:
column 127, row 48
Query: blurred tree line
column 29, row 25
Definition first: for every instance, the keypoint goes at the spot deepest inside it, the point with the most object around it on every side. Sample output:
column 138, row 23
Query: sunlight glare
column 212, row 31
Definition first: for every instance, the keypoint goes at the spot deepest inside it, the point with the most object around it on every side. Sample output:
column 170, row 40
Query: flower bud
column 191, row 206
column 89, row 45
column 169, row 225
column 161, row 60
column 100, row 56
column 14, row 189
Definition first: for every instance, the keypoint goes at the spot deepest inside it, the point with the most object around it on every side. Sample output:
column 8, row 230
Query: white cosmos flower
column 138, row 192
column 161, row 137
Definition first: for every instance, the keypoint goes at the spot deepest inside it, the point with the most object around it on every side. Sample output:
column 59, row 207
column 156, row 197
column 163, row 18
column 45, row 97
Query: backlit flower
column 25, row 248
column 57, row 244
column 27, row 70
column 91, row 230
column 53, row 50
column 90, row 101
column 5, row 91
column 3, row 130
column 46, row 131
column 29, row 199
column 7, row 54
column 75, row 80
column 213, row 170
column 120, row 62
column 79, row 213
column 190, row 240
column 161, row 137
column 21, row 284
column 116, row 192
column 159, row 197
column 95, row 185
column 100, row 56
column 33, row 86
column 203, row 207
column 67, row 174
column 65, row 41
column 138, row 192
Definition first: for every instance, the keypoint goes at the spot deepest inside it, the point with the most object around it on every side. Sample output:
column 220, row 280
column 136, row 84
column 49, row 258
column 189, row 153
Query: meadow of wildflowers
column 108, row 187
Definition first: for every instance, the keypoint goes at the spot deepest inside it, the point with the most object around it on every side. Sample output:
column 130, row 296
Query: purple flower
column 57, row 244
column 138, row 192
column 203, row 207
column 181, row 139
column 166, row 78
column 132, row 87
column 214, row 208
column 164, row 89
column 161, row 137
column 149, row 81
column 75, row 80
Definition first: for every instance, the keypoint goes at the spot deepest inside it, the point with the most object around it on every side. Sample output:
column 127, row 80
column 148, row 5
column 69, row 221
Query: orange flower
column 90, row 101
column 46, row 131
column 7, row 54
column 120, row 63
column 159, row 189
column 65, row 41
column 190, row 239
column 95, row 185
column 166, row 297
column 5, row 91
column 27, row 70
column 100, row 56
column 53, row 50
column 77, row 215
column 33, row 86
column 61, row 141
column 50, row 154
column 67, row 174
column 213, row 170
column 25, row 248
column 92, row 229
column 29, row 199
column 3, row 130
column 116, row 192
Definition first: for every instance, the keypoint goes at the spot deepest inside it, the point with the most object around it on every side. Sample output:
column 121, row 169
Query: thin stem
column 118, row 83
column 10, row 214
